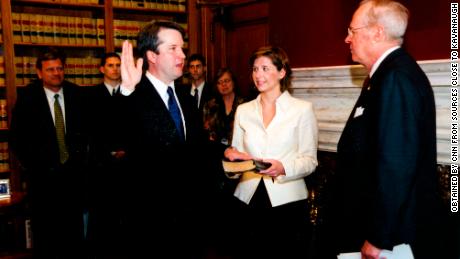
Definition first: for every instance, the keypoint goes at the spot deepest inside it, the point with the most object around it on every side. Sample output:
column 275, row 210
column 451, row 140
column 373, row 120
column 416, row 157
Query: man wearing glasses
column 386, row 186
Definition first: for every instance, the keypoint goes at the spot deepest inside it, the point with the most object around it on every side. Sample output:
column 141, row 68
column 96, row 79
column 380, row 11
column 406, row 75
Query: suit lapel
column 154, row 112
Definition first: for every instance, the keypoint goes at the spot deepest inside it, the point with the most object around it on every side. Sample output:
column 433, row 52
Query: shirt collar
column 282, row 101
column 50, row 94
column 110, row 88
column 200, row 88
column 161, row 87
column 381, row 58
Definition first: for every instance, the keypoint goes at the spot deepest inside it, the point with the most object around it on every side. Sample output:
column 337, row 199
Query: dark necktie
column 196, row 96
column 60, row 130
column 114, row 91
column 175, row 112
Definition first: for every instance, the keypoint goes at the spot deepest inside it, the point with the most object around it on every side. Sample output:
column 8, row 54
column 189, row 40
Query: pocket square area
column 359, row 111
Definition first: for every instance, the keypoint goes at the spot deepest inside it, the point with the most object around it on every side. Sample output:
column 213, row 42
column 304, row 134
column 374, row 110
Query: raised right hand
column 130, row 73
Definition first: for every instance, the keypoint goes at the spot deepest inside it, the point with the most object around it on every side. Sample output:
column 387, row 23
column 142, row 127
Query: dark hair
column 50, row 53
column 195, row 57
column 107, row 56
column 279, row 59
column 220, row 73
column 147, row 39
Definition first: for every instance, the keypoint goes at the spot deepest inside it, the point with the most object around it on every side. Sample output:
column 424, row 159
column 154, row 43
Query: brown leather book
column 241, row 166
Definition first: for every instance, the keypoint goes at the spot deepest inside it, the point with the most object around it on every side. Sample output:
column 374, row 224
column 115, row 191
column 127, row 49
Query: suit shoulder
column 247, row 105
column 301, row 103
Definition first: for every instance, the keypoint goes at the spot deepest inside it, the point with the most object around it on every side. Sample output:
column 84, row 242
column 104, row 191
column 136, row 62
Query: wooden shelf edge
column 57, row 45
column 141, row 9
column 57, row 4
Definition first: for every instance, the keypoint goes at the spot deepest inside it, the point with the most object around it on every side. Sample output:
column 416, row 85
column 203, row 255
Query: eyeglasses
column 224, row 81
column 352, row 30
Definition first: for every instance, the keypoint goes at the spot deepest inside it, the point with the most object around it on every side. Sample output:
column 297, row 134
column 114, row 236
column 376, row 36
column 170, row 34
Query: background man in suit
column 199, row 88
column 49, row 138
column 107, row 155
column 110, row 68
column 166, row 132
column 387, row 151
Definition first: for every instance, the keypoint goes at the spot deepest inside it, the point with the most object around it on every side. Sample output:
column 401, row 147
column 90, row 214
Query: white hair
column 392, row 15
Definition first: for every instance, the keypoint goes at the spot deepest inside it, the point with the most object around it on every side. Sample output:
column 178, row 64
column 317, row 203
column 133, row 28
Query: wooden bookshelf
column 12, row 47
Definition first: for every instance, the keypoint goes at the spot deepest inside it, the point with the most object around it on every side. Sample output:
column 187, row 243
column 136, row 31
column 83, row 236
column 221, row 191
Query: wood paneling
column 241, row 43
column 230, row 32
column 313, row 32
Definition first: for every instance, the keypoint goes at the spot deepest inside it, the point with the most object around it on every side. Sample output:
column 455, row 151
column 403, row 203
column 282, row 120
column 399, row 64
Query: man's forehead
column 112, row 60
column 195, row 63
column 51, row 63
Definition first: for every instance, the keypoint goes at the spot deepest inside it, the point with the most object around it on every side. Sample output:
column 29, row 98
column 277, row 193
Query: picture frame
column 5, row 191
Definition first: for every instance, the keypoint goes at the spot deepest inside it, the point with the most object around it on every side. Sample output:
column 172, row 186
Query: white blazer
column 291, row 138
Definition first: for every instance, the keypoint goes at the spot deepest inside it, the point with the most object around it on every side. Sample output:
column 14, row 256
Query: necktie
column 196, row 96
column 60, row 130
column 114, row 91
column 175, row 112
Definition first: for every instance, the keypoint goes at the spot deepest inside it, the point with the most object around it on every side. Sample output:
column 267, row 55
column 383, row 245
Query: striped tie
column 60, row 130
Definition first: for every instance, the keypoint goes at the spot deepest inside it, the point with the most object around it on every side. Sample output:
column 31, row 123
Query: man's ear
column 39, row 73
column 151, row 56
column 379, row 33
column 101, row 69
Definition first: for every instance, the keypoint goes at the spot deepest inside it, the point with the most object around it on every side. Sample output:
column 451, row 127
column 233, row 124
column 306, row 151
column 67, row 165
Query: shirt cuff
column 124, row 91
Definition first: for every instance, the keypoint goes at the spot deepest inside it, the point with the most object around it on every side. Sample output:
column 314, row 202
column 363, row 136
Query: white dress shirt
column 111, row 88
column 381, row 58
column 291, row 138
column 162, row 90
column 200, row 91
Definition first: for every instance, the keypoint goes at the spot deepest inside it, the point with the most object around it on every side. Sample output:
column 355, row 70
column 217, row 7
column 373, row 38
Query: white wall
column 334, row 91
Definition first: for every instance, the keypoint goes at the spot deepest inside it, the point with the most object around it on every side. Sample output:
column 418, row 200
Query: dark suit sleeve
column 17, row 136
column 397, row 145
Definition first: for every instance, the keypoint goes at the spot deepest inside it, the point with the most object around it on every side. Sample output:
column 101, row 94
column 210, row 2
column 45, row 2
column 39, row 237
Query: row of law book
column 3, row 114
column 128, row 30
column 4, row 157
column 64, row 30
column 81, row 71
column 1, row 30
column 166, row 5
column 95, row 2
column 2, row 71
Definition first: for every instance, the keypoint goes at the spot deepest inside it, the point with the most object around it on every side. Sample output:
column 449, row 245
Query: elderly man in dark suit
column 49, row 138
column 387, row 152
column 168, row 189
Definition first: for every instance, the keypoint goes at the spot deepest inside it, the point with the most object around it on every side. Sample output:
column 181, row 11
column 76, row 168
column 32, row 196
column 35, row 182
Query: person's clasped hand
column 275, row 169
column 233, row 154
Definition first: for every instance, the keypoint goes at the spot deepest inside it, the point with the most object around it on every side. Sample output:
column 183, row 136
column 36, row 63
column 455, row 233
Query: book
column 241, row 166
column 402, row 251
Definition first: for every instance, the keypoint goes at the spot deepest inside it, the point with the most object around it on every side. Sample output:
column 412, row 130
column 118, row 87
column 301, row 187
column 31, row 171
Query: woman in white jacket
column 281, row 130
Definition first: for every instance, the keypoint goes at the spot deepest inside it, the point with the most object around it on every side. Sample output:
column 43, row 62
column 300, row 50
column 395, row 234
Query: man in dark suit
column 107, row 158
column 199, row 89
column 168, row 189
column 386, row 164
column 49, row 138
